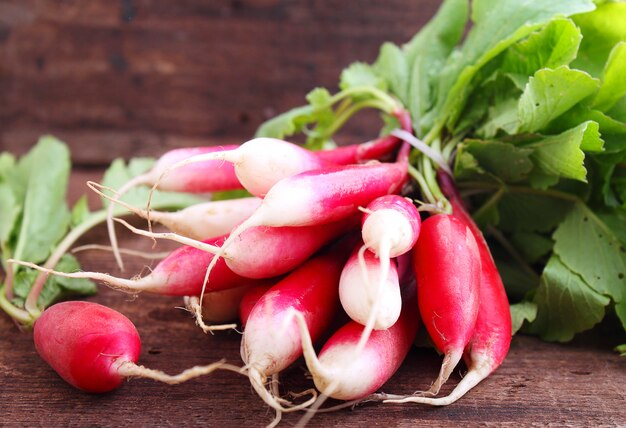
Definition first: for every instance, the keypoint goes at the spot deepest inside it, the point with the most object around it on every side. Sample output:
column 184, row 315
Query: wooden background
column 137, row 77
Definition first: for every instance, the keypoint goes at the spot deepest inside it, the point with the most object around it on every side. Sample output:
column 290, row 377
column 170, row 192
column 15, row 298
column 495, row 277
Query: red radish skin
column 85, row 343
column 210, row 176
column 252, row 296
column 182, row 273
column 358, row 153
column 342, row 373
column 260, row 163
column 264, row 252
column 447, row 269
column 271, row 339
column 93, row 348
column 358, row 289
column 492, row 335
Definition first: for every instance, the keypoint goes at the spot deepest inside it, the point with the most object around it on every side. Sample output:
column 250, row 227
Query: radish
column 343, row 372
column 264, row 252
column 209, row 176
column 93, row 348
column 492, row 334
column 182, row 273
column 358, row 153
column 200, row 221
column 259, row 163
column 358, row 289
column 447, row 269
column 390, row 228
column 252, row 296
column 271, row 339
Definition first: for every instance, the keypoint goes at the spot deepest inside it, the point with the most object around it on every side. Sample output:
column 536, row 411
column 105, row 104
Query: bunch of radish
column 323, row 233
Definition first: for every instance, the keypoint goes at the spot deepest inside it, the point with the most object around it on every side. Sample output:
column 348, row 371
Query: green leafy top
column 533, row 105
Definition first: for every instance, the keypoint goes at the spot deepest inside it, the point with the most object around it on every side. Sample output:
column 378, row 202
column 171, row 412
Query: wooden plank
column 121, row 75
column 539, row 384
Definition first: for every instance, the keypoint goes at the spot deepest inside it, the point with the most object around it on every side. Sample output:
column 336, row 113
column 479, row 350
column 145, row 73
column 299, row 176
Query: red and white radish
column 252, row 296
column 358, row 289
column 265, row 252
column 447, row 266
column 390, row 228
column 358, row 153
column 344, row 372
column 182, row 273
column 271, row 340
column 209, row 176
column 492, row 334
column 200, row 221
column 94, row 348
column 259, row 163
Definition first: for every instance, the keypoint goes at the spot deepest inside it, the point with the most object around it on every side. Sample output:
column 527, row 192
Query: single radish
column 492, row 334
column 447, row 267
column 209, row 176
column 259, row 163
column 264, row 252
column 358, row 153
column 345, row 373
column 223, row 306
column 271, row 339
column 252, row 296
column 200, row 221
column 94, row 348
column 390, row 228
column 358, row 289
column 182, row 273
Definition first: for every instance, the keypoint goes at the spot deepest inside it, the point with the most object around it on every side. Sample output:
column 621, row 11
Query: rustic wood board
column 577, row 384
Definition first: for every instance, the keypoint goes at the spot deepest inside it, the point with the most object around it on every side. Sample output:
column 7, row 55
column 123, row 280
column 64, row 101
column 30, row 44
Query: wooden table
column 581, row 383
column 133, row 78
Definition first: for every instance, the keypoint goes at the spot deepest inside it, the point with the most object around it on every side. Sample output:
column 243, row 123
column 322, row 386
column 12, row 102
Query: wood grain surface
column 136, row 77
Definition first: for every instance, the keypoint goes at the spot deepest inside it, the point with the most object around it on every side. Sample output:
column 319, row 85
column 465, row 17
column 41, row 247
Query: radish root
column 130, row 369
column 192, row 304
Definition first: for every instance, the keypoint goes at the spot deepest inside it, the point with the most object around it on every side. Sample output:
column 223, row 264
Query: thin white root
column 473, row 377
column 192, row 304
column 171, row 236
column 121, row 284
column 142, row 179
column 130, row 369
column 271, row 400
column 450, row 361
column 126, row 251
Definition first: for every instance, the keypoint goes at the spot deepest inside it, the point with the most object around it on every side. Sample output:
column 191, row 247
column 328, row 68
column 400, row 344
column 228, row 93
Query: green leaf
column 497, row 25
column 590, row 249
column 618, row 112
column 550, row 93
column 286, row 124
column 562, row 155
column 80, row 211
column 552, row 46
column 522, row 311
column 360, row 74
column 615, row 220
column 621, row 349
column 566, row 305
column 533, row 246
column 602, row 29
column 613, row 86
column 45, row 214
column 119, row 173
column 55, row 287
column 501, row 116
column 506, row 161
column 526, row 212
column 7, row 165
column 427, row 52
column 9, row 213
column 583, row 113
column 391, row 64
